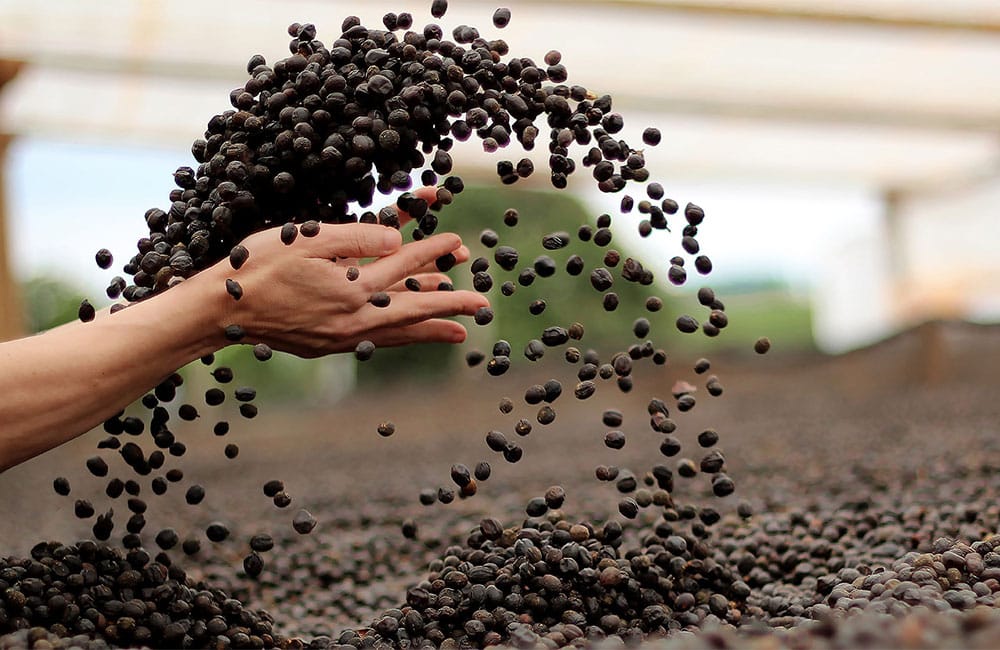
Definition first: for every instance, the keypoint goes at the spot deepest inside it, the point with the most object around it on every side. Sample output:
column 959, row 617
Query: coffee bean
column 364, row 350
column 217, row 532
column 238, row 256
column 762, row 345
column 195, row 494
column 289, row 232
column 61, row 486
column 303, row 522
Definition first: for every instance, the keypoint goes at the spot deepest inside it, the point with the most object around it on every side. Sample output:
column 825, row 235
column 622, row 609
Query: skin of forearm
column 62, row 383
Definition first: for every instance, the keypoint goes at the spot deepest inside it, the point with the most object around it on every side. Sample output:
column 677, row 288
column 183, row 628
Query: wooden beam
column 11, row 317
column 817, row 15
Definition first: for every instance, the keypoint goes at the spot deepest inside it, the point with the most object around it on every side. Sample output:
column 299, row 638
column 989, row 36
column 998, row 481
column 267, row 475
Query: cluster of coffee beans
column 126, row 599
column 569, row 580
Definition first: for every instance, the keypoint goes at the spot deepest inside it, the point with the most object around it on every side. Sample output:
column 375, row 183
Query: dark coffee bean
column 762, row 345
column 640, row 328
column 651, row 136
column 544, row 266
column 706, row 296
column 386, row 429
column 289, row 232
column 482, row 471
column 438, row 8
column 234, row 333
column 498, row 366
column 713, row 386
column 473, row 358
column 83, row 509
column 446, row 262
column 536, row 507
column 687, row 468
column 309, row 228
column 232, row 451
column 722, row 485
column 380, row 299
column 687, row 324
column 446, row 495
column 546, row 415
column 677, row 275
column 86, row 312
column 694, row 214
column 482, row 282
column 104, row 258
column 584, row 390
column 97, row 466
column 460, row 474
column 158, row 485
column 555, row 336
column 245, row 394
column 253, row 565
column 364, row 350
column 483, row 316
column 703, row 264
column 602, row 237
column 489, row 238
column 507, row 288
column 556, row 240
column 195, row 495
column 670, row 446
column 612, row 258
column 522, row 427
column 61, row 486
column 600, row 279
column 614, row 439
column 510, row 217
column 536, row 307
column 221, row 428
column 409, row 529
column 217, row 532
column 262, row 352
column 238, row 256
column 353, row 273
column 167, row 539
column 501, row 17
column 234, row 289
column 303, row 522
column 261, row 543
column 249, row 411
column 174, row 475
column 628, row 508
column 534, row 350
column 282, row 500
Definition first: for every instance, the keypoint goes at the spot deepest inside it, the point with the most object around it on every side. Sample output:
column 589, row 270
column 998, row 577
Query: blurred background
column 845, row 151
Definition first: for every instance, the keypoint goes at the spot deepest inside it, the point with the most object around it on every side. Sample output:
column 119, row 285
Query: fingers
column 434, row 330
column 428, row 282
column 352, row 240
column 409, row 307
column 412, row 258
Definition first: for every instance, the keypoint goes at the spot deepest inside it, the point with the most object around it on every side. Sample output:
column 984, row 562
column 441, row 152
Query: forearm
column 62, row 383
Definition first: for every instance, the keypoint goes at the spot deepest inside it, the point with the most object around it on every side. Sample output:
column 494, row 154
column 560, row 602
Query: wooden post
column 11, row 316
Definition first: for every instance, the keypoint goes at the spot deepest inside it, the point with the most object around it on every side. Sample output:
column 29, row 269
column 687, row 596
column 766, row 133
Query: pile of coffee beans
column 124, row 599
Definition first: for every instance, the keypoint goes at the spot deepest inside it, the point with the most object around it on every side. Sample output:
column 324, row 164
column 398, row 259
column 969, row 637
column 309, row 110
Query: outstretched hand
column 299, row 298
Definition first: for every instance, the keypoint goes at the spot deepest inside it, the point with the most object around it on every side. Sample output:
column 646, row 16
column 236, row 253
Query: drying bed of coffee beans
column 311, row 138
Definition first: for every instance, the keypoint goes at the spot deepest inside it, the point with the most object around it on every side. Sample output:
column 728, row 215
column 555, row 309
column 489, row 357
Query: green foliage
column 49, row 302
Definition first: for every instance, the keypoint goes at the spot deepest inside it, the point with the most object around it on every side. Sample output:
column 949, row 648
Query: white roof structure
column 899, row 97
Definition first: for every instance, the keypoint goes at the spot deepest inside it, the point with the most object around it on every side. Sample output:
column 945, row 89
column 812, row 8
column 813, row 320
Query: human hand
column 299, row 299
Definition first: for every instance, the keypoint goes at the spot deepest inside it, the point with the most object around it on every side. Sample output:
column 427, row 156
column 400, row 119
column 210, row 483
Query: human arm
column 57, row 385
